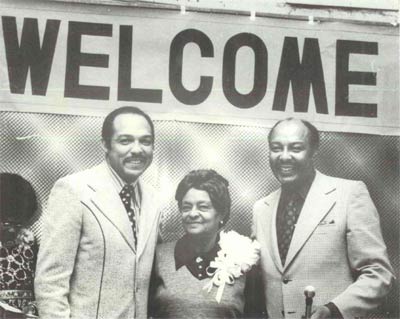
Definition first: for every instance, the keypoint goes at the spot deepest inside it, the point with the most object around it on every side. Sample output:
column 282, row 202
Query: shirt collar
column 185, row 255
column 118, row 182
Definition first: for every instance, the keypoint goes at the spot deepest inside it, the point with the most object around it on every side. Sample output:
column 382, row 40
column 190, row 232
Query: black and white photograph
column 199, row 159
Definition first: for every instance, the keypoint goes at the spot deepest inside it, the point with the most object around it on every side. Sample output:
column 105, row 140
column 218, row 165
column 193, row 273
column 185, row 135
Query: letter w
column 28, row 54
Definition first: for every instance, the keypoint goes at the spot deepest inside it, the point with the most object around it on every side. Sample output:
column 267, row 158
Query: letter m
column 302, row 75
column 28, row 54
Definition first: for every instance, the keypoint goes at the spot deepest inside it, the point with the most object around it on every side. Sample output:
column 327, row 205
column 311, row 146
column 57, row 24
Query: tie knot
column 291, row 198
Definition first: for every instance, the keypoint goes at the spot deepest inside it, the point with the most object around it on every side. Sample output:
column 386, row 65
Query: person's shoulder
column 79, row 179
column 165, row 249
column 340, row 182
column 344, row 188
column 266, row 199
column 260, row 203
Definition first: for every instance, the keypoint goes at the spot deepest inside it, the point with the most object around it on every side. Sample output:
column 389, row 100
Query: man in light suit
column 100, row 230
column 317, row 230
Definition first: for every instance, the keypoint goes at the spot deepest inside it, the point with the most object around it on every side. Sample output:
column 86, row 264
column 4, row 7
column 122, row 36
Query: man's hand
column 321, row 312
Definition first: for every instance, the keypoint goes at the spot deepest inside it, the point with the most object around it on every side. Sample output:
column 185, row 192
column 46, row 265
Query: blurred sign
column 200, row 67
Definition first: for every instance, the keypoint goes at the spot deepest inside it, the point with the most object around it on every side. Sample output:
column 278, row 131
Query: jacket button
column 285, row 280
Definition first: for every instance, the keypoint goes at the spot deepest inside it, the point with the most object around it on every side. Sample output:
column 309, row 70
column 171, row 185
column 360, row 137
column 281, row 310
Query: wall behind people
column 44, row 147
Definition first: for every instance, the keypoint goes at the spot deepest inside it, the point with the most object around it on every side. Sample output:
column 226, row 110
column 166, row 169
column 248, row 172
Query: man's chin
column 287, row 180
column 131, row 175
column 130, row 167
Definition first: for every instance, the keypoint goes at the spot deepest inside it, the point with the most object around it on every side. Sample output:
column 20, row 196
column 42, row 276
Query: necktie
column 126, row 194
column 285, row 224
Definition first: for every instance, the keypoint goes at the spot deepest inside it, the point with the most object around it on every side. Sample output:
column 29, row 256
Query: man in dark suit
column 100, row 230
column 317, row 230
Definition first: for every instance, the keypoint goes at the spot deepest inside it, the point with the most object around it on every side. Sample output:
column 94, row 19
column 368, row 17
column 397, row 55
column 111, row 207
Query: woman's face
column 199, row 216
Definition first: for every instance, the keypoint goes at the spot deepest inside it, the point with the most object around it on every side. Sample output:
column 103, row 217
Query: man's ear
column 315, row 153
column 104, row 145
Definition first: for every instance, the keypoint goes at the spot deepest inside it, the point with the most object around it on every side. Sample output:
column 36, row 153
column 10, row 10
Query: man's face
column 290, row 154
column 131, row 146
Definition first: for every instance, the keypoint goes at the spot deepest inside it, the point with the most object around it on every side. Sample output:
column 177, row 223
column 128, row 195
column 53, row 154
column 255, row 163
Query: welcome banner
column 203, row 67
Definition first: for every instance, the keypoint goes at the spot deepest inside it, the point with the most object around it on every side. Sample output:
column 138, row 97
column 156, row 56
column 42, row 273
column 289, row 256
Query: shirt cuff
column 335, row 312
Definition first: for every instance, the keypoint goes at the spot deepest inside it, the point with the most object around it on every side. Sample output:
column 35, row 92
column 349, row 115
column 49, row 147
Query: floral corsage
column 237, row 255
column 25, row 238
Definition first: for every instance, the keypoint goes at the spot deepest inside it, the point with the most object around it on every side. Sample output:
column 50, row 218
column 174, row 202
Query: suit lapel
column 319, row 202
column 148, row 216
column 272, row 204
column 106, row 200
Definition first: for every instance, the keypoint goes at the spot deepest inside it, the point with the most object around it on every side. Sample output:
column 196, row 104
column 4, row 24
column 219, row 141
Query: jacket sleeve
column 367, row 256
column 57, row 252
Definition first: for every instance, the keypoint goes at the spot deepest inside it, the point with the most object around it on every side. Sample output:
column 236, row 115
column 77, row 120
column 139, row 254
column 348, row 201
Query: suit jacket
column 337, row 247
column 88, row 266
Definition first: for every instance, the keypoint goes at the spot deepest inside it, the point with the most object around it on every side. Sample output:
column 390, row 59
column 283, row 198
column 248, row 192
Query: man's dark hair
column 214, row 184
column 108, row 124
column 312, row 130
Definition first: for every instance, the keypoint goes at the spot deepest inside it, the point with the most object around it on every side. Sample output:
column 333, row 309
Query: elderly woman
column 202, row 275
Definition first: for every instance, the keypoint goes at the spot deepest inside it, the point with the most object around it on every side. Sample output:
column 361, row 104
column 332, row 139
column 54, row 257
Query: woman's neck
column 203, row 244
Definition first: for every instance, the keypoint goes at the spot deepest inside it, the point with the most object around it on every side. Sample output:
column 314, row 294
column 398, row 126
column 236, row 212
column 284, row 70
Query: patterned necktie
column 285, row 224
column 126, row 194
